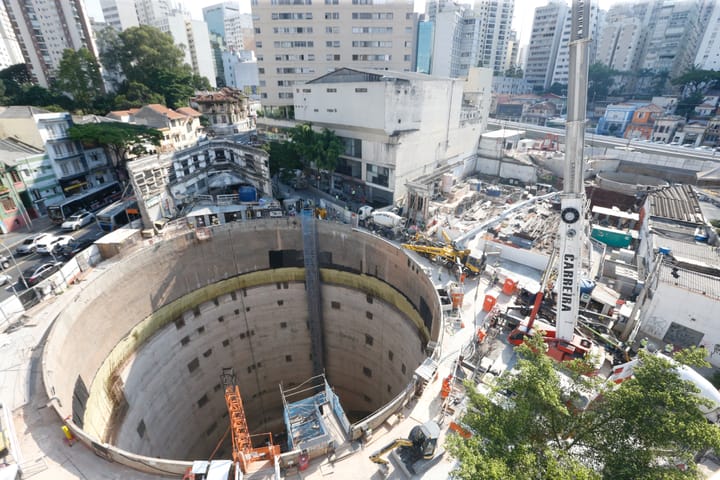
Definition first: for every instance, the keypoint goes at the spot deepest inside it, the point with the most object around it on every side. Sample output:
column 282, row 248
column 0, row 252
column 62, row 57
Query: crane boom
column 572, row 203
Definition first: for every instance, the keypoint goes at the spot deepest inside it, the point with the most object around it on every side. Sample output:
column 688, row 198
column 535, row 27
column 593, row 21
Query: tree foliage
column 321, row 149
column 120, row 139
column 600, row 81
column 531, row 426
column 153, row 67
column 695, row 79
column 79, row 76
column 284, row 160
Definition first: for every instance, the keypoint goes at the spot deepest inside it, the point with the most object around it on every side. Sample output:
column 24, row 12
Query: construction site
column 302, row 347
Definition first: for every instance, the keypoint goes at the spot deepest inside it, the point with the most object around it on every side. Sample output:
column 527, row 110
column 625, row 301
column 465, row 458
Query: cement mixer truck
column 388, row 224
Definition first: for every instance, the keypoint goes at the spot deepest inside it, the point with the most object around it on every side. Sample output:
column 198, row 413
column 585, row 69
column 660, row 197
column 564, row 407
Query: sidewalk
column 39, row 225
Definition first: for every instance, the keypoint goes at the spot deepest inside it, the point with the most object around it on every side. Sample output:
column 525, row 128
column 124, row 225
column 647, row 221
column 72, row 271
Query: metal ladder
column 312, row 286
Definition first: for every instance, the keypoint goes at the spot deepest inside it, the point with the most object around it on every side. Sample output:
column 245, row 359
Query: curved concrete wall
column 184, row 283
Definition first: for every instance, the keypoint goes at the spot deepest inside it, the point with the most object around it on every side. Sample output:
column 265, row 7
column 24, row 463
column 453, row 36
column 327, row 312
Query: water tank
column 447, row 182
column 586, row 286
column 493, row 191
column 247, row 194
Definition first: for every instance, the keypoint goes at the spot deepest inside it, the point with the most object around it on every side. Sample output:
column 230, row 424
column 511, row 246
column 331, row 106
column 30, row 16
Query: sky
column 522, row 20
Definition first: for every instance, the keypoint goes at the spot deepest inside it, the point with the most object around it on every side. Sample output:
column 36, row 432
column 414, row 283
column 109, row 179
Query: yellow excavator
column 421, row 444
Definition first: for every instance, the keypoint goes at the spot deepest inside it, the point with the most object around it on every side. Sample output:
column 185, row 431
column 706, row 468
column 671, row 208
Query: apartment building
column 151, row 11
column 675, row 32
column 708, row 54
column 622, row 36
column 215, row 16
column 561, row 70
column 194, row 37
column 10, row 53
column 45, row 28
column 180, row 128
column 298, row 41
column 119, row 14
column 545, row 39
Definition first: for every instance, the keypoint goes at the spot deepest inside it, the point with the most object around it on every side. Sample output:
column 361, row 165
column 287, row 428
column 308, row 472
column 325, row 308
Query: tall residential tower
column 45, row 28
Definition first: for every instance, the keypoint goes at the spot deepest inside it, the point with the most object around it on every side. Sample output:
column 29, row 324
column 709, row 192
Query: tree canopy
column 79, row 76
column 153, row 67
column 531, row 424
column 121, row 139
column 600, row 81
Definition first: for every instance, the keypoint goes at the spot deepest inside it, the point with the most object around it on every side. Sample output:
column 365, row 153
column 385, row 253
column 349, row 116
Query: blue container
column 664, row 250
column 493, row 191
column 586, row 285
column 247, row 194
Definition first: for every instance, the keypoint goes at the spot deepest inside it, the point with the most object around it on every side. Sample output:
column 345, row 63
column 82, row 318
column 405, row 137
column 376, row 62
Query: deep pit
column 136, row 361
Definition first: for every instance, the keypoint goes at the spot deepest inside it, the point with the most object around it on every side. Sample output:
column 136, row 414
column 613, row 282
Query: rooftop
column 678, row 203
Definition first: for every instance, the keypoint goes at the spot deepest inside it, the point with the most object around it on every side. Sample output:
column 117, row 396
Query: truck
column 385, row 223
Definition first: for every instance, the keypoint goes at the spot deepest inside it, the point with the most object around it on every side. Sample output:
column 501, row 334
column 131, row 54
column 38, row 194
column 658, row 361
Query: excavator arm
column 377, row 457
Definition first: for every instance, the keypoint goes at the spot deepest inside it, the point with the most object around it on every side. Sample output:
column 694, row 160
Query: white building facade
column 119, row 14
column 398, row 127
column 10, row 53
column 544, row 45
column 298, row 41
column 194, row 38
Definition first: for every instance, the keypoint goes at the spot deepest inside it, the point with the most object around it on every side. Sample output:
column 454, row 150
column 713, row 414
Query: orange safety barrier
column 489, row 303
column 509, row 286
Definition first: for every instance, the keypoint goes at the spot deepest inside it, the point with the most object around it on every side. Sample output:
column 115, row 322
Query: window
column 192, row 366
column 203, row 401
column 368, row 340
column 332, row 16
column 335, row 305
column 367, row 372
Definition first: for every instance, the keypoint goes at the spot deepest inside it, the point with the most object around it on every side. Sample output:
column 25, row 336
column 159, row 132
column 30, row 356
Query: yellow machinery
column 422, row 441
column 450, row 256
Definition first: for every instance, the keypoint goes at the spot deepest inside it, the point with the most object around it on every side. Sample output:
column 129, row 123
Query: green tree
column 283, row 160
column 695, row 80
column 144, row 51
column 600, row 81
column 329, row 147
column 531, row 425
column 558, row 89
column 136, row 95
column 304, row 140
column 79, row 76
column 119, row 139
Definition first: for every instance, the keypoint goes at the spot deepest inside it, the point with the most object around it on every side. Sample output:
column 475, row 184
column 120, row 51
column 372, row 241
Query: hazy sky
column 522, row 21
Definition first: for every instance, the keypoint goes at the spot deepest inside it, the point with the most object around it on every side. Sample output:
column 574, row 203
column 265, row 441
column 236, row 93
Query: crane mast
column 572, row 203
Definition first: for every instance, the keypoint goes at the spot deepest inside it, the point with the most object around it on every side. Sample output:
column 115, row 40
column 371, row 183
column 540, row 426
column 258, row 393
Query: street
column 24, row 262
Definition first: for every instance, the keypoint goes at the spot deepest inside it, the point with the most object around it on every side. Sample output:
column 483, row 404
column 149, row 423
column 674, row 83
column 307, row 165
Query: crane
column 572, row 199
column 242, row 448
column 563, row 343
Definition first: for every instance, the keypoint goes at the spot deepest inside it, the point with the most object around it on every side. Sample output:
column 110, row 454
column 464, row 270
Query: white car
column 43, row 245
column 5, row 278
column 77, row 221
column 30, row 244
column 54, row 244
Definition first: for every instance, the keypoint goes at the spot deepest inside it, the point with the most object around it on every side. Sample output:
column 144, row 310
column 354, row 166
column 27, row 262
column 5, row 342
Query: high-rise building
column 10, row 53
column 708, row 54
column 298, row 41
column 495, row 32
column 561, row 69
column 151, row 11
column 675, row 33
column 467, row 36
column 194, row 38
column 424, row 45
column 119, row 14
column 622, row 36
column 45, row 28
column 544, row 43
column 215, row 16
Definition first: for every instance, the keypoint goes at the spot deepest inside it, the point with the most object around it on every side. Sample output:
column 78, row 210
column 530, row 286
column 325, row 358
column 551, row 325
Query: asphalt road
column 25, row 262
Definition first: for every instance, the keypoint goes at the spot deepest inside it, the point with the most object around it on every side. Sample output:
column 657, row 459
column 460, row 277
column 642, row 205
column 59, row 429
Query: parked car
column 54, row 244
column 38, row 273
column 44, row 245
column 29, row 245
column 5, row 278
column 76, row 246
column 77, row 221
column 4, row 261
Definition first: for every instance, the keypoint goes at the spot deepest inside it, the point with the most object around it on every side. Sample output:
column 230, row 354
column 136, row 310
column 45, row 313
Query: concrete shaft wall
column 170, row 297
